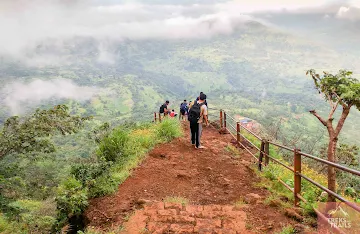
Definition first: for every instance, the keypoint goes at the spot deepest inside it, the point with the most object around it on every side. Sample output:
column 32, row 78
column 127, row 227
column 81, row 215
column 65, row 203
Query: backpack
column 162, row 108
column 183, row 106
column 194, row 112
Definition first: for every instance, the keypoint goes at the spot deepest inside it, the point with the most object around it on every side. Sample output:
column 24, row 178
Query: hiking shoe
column 201, row 147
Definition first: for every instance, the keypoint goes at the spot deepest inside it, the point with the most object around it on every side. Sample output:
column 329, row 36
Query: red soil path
column 207, row 177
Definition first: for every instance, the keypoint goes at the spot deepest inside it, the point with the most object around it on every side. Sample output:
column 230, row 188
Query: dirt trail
column 207, row 177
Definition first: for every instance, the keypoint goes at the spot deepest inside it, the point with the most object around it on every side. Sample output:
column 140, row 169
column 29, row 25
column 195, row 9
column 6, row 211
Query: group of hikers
column 196, row 112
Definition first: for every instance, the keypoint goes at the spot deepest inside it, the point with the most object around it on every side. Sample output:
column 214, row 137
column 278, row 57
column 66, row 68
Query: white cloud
column 26, row 24
column 350, row 13
column 246, row 6
column 342, row 11
column 30, row 94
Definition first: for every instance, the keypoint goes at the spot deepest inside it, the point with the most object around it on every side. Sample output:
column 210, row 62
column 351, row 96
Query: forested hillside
column 258, row 70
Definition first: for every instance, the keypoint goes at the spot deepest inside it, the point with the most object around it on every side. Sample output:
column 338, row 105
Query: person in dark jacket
column 164, row 108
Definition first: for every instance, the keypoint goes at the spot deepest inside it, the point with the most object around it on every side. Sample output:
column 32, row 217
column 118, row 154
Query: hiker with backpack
column 197, row 116
column 183, row 110
column 164, row 108
column 197, row 99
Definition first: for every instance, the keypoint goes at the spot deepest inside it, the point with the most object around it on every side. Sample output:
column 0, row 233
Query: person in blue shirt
column 184, row 109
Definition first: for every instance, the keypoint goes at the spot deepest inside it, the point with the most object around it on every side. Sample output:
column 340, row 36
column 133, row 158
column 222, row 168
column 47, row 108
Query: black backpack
column 194, row 112
column 162, row 108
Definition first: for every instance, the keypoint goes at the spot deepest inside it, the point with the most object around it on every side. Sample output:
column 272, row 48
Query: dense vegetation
column 42, row 190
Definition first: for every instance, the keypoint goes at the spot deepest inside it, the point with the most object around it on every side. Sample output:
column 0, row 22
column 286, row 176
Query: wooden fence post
column 262, row 150
column 221, row 119
column 267, row 152
column 155, row 117
column 238, row 138
column 224, row 119
column 297, row 177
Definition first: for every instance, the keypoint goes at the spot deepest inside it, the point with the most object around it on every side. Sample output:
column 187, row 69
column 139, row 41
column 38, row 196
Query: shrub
column 86, row 173
column 72, row 199
column 105, row 184
column 35, row 215
column 7, row 227
column 113, row 146
column 168, row 129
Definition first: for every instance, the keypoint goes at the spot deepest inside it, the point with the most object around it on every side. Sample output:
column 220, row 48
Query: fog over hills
column 113, row 59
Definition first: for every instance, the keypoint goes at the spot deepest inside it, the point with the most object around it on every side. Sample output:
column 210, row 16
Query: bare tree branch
column 313, row 112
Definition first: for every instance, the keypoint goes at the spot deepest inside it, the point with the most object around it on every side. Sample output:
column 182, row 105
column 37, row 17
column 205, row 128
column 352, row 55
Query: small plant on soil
column 128, row 216
column 239, row 203
column 231, row 149
column 249, row 226
column 273, row 200
column 179, row 200
column 287, row 230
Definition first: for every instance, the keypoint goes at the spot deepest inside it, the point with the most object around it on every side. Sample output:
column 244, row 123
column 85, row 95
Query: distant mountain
column 258, row 63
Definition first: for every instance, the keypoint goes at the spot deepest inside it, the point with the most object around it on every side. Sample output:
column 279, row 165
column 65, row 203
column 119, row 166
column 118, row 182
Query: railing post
column 159, row 117
column 262, row 150
column 267, row 152
column 238, row 132
column 224, row 119
column 297, row 177
column 221, row 118
column 155, row 117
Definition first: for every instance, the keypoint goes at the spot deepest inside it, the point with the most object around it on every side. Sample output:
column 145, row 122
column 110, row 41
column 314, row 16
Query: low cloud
column 27, row 24
column 18, row 95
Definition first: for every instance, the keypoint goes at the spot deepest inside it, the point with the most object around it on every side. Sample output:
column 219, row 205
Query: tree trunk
column 331, row 170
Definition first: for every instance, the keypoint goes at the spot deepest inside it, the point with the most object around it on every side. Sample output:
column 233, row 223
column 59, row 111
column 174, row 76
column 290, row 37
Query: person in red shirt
column 173, row 114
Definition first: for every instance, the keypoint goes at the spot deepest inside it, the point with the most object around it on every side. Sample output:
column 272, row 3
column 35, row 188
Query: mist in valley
column 74, row 50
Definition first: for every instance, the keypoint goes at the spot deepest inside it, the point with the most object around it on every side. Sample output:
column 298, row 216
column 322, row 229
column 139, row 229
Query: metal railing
column 264, row 158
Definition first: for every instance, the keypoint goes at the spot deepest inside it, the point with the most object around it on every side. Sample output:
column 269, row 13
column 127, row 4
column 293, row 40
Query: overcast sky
column 25, row 24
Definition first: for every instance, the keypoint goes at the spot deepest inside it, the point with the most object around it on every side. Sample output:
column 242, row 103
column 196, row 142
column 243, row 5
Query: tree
column 340, row 89
column 31, row 133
